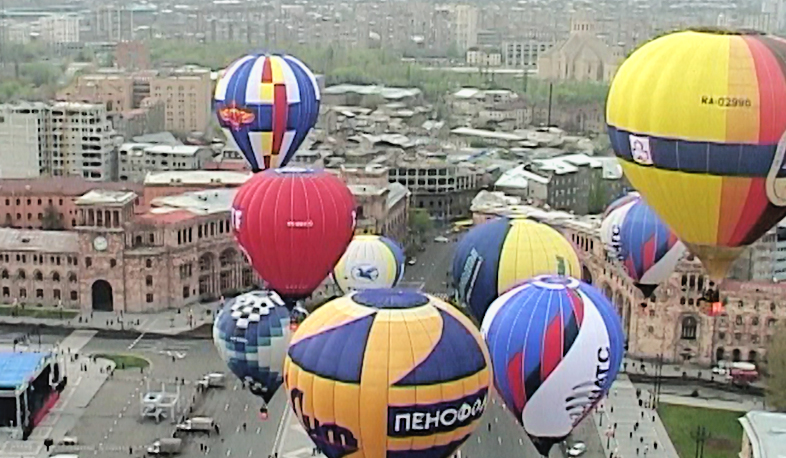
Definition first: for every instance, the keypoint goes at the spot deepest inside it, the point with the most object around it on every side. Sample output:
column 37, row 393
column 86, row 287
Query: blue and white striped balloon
column 251, row 334
column 266, row 104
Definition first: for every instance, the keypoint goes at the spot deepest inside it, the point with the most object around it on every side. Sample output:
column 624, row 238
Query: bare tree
column 776, row 365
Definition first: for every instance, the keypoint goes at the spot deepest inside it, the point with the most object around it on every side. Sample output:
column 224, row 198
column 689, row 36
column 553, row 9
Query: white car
column 441, row 239
column 577, row 449
column 412, row 261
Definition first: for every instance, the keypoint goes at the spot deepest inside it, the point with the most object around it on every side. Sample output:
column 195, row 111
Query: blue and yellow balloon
column 498, row 254
column 266, row 105
column 371, row 261
column 387, row 373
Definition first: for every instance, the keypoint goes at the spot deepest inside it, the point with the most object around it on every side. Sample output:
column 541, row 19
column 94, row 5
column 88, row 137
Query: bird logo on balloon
column 366, row 272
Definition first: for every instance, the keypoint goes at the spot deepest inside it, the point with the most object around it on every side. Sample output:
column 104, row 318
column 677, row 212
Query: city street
column 430, row 273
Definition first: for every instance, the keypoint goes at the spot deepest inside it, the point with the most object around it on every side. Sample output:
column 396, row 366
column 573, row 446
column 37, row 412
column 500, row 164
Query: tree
column 51, row 220
column 776, row 366
column 419, row 222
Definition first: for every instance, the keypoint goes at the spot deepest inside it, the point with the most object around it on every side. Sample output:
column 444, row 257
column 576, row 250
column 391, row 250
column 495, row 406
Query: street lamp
column 700, row 436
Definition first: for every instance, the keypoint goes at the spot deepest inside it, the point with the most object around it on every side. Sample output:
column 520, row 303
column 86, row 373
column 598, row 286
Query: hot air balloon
column 556, row 346
column 371, row 261
column 251, row 334
column 266, row 105
column 647, row 249
column 387, row 373
column 498, row 254
column 293, row 225
column 696, row 120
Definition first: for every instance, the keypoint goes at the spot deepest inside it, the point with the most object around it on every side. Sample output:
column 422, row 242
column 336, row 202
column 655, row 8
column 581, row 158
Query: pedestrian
column 244, row 426
column 218, row 431
column 653, row 418
column 611, row 409
column 641, row 403
column 636, row 426
column 642, row 414
column 313, row 451
column 489, row 426
column 631, row 435
column 646, row 449
column 637, row 451
column 615, row 426
column 641, row 439
column 130, row 450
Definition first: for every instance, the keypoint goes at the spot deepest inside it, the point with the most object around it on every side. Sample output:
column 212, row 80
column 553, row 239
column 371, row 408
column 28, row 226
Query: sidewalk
column 636, row 429
column 634, row 366
column 169, row 322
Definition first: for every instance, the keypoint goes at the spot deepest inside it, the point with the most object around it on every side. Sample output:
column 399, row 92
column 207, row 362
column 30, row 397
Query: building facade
column 582, row 57
column 136, row 160
column 675, row 323
column 115, row 260
column 382, row 207
column 63, row 138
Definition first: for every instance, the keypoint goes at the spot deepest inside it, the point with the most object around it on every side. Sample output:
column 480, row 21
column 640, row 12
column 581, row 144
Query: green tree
column 419, row 222
column 51, row 220
column 39, row 73
column 776, row 366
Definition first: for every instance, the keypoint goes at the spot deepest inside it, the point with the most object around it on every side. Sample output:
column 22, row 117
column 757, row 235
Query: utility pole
column 551, row 93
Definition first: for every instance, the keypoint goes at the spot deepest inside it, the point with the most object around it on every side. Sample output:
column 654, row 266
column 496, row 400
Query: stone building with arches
column 674, row 322
column 122, row 257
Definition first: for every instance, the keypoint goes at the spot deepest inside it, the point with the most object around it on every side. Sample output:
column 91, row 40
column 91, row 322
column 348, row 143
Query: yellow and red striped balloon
column 696, row 119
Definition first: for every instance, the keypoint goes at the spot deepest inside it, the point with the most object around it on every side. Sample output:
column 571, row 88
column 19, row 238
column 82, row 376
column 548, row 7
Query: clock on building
column 100, row 243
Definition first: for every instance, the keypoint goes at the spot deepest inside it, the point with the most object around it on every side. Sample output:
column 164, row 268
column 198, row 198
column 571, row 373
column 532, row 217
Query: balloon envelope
column 293, row 225
column 498, row 254
column 387, row 373
column 266, row 105
column 646, row 247
column 695, row 118
column 251, row 334
column 556, row 346
column 371, row 261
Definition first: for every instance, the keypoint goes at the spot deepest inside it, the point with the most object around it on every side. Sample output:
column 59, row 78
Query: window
column 772, row 307
column 737, row 336
column 740, row 304
column 149, row 298
column 152, row 239
column 39, row 293
column 112, row 262
column 21, row 274
column 721, row 336
column 4, row 274
column 149, row 280
column 88, row 262
column 6, row 291
column 754, row 338
column 186, row 292
column 22, row 292
column 71, row 277
column 738, row 320
column 38, row 275
column 689, row 326
column 56, row 294
column 755, row 321
column 74, row 296
column 55, row 276
column 148, row 263
column 771, row 322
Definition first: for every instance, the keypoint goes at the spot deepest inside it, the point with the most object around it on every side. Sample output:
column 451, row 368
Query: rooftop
column 766, row 432
column 197, row 177
column 397, row 192
column 61, row 186
column 179, row 150
column 393, row 93
column 568, row 163
column 103, row 196
column 469, row 132
column 197, row 202
column 16, row 369
column 519, row 178
column 159, row 138
column 38, row 241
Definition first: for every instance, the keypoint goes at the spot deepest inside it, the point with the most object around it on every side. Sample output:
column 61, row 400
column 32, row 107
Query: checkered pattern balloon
column 251, row 334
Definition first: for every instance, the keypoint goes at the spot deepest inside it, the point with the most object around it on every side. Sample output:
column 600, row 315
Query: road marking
column 245, row 409
column 277, row 442
column 226, row 407
column 229, row 452
column 133, row 344
column 258, row 429
column 499, row 440
column 521, row 442
column 250, row 452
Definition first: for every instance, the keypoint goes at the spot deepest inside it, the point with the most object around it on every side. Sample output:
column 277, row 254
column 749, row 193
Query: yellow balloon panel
column 402, row 373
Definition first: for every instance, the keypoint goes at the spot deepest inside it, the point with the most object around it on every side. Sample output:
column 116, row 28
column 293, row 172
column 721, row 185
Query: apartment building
column 187, row 93
column 135, row 160
column 60, row 139
column 59, row 29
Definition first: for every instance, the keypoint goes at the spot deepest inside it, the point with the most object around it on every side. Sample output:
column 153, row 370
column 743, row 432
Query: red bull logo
column 236, row 117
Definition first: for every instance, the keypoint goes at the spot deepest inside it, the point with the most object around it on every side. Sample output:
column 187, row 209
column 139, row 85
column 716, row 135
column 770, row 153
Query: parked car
column 577, row 449
column 412, row 261
column 441, row 239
